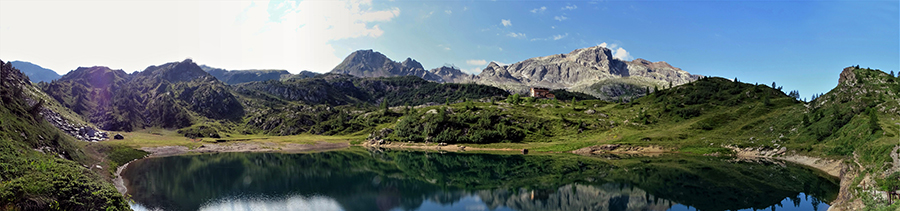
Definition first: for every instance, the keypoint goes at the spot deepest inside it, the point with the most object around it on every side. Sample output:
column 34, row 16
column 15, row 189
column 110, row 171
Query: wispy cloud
column 560, row 36
column 570, row 7
column 445, row 47
column 554, row 37
column 506, row 22
column 476, row 62
column 426, row 16
column 560, row 18
column 516, row 35
column 539, row 10
column 448, row 12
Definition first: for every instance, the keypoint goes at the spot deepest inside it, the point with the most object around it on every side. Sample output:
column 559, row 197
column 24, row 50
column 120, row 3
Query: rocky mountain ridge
column 369, row 63
column 590, row 70
column 243, row 76
column 171, row 95
column 581, row 70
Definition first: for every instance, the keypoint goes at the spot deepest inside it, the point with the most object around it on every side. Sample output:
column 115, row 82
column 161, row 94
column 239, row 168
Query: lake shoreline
column 834, row 168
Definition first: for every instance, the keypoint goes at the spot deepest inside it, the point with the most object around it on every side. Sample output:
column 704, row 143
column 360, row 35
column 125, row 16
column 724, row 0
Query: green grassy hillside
column 43, row 168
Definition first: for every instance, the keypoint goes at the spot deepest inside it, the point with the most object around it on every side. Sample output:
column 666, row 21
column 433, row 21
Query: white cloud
column 560, row 36
column 513, row 34
column 476, row 62
column 506, row 22
column 570, row 7
column 445, row 47
column 235, row 35
column 610, row 46
column 539, row 10
column 448, row 12
column 560, row 18
column 501, row 49
column 621, row 54
column 465, row 8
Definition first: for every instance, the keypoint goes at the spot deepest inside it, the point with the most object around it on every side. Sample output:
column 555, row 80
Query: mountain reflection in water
column 356, row 179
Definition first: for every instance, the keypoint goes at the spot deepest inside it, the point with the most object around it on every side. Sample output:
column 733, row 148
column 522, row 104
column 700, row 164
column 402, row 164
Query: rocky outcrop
column 558, row 71
column 579, row 70
column 659, row 71
column 847, row 76
column 452, row 75
column 79, row 131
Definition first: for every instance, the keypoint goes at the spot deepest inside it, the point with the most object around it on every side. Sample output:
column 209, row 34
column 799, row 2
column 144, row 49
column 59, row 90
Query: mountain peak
column 369, row 63
column 185, row 70
column 579, row 70
column 35, row 72
column 412, row 63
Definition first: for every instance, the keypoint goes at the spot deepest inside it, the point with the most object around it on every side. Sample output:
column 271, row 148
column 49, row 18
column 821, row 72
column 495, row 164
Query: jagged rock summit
column 581, row 70
column 369, row 63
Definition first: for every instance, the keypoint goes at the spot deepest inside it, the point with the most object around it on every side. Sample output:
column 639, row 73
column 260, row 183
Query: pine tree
column 873, row 120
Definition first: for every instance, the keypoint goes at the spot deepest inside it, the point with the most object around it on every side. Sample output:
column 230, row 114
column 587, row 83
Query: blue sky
column 801, row 45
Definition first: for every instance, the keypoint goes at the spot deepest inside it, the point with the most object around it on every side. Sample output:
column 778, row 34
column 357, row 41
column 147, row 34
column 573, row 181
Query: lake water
column 359, row 179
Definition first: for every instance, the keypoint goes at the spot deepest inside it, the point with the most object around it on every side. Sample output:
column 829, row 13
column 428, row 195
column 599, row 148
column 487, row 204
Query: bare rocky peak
column 369, row 63
column 452, row 75
column 557, row 71
column 578, row 68
column 659, row 71
column 411, row 64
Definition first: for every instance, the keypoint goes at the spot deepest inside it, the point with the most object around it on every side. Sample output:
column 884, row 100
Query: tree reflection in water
column 356, row 179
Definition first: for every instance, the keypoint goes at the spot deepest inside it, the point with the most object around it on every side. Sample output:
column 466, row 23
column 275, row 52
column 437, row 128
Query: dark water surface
column 358, row 179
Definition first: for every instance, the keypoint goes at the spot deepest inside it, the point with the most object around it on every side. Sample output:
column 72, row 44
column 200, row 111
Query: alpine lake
column 382, row 179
